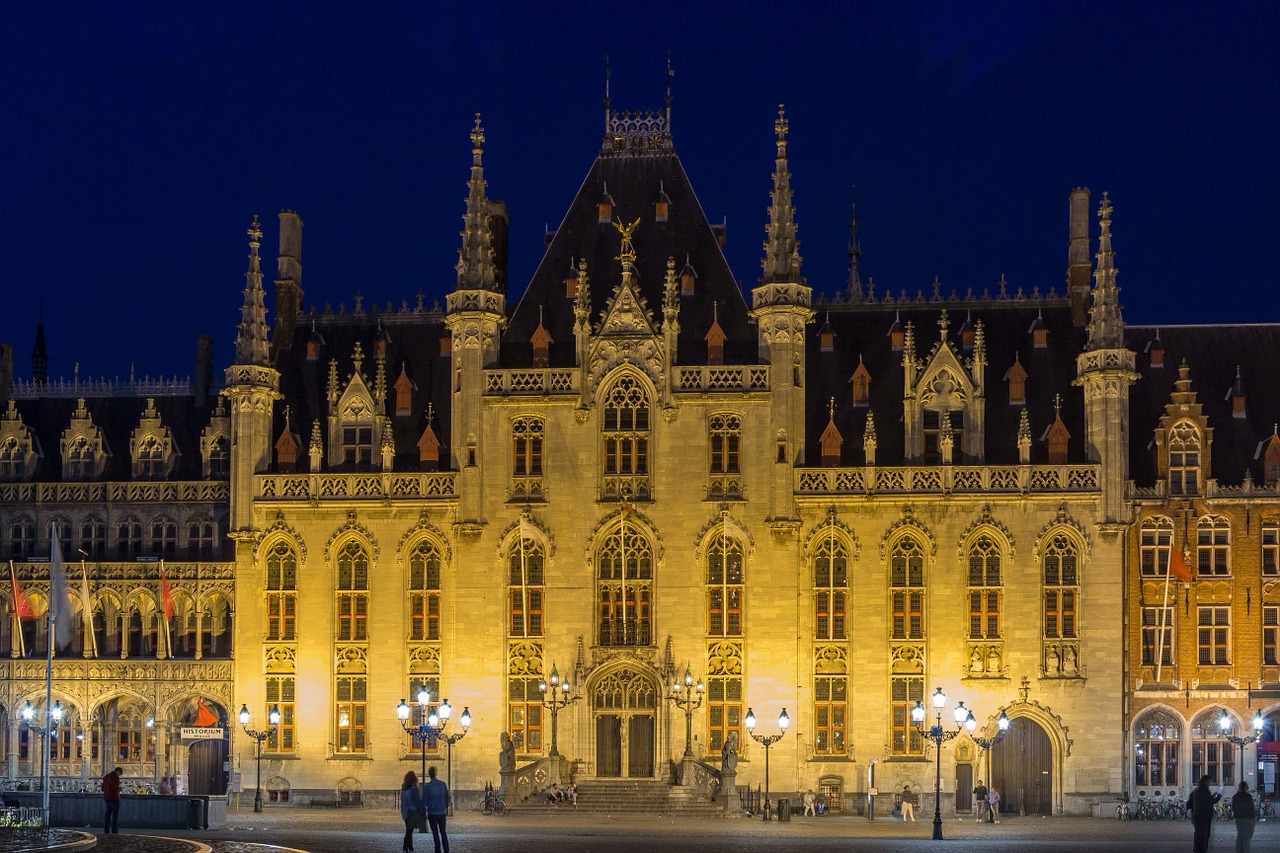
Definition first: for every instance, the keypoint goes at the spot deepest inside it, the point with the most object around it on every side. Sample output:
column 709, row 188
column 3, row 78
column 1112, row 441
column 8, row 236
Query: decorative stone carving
column 986, row 520
column 280, row 657
column 351, row 659
column 424, row 659
column 424, row 527
column 908, row 520
column 352, row 527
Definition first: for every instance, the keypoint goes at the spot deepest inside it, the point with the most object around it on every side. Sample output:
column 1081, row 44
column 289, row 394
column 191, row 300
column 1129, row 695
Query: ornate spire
column 251, row 337
column 1106, row 325
column 854, row 290
column 475, row 257
column 781, row 262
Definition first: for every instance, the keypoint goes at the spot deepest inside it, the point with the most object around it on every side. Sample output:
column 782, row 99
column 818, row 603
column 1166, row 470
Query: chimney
column 6, row 371
column 499, row 226
column 288, row 281
column 1079, row 269
column 204, row 370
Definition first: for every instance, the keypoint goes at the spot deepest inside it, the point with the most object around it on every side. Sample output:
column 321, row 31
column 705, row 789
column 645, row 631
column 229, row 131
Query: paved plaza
column 334, row 831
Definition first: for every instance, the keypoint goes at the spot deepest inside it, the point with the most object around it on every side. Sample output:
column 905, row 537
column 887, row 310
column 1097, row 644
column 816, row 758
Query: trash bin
column 196, row 814
column 784, row 809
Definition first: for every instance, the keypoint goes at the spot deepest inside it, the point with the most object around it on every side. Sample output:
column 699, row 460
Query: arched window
column 525, row 583
column 215, row 628
column 724, row 585
column 526, row 458
column 906, row 582
column 1184, row 459
column 81, row 459
column 984, row 589
column 22, row 539
column 128, row 539
column 424, row 592
column 281, row 586
column 624, row 586
column 353, row 592
column 1212, row 754
column 164, row 538
column 135, row 741
column 830, row 587
column 13, row 460
column 200, row 538
column 1061, row 587
column 219, row 462
column 1157, row 539
column 1155, row 749
column 626, row 440
column 1213, row 546
column 150, row 461
column 93, row 537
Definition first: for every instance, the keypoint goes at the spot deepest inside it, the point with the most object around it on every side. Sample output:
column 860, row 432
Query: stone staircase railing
column 692, row 773
column 519, row 784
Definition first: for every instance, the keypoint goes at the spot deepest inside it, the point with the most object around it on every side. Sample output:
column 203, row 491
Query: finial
column 254, row 232
column 780, row 126
column 539, row 315
column 1105, row 209
column 431, row 413
column 477, row 140
column 287, row 414
column 944, row 323
column 715, row 318
column 1057, row 405
column 670, row 73
column 831, row 409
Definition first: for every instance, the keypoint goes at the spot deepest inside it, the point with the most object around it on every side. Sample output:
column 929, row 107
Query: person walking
column 908, row 804
column 437, row 803
column 993, row 805
column 1242, row 808
column 1200, row 804
column 979, row 802
column 411, row 807
column 111, row 799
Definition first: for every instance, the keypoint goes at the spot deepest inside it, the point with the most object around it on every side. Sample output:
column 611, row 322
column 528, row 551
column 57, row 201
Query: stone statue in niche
column 975, row 661
column 507, row 757
column 993, row 661
column 1051, row 660
column 729, row 754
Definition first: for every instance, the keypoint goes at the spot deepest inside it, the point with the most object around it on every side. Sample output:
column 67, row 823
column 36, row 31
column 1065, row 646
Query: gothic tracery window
column 626, row 440
column 282, row 585
column 1156, row 738
column 353, row 592
column 1061, row 587
column 985, row 587
column 624, row 587
column 424, row 592
column 1184, row 459
column 906, row 581
column 830, row 587
column 1156, row 540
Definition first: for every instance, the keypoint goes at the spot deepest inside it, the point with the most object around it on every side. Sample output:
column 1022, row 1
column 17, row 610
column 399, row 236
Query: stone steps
column 628, row 796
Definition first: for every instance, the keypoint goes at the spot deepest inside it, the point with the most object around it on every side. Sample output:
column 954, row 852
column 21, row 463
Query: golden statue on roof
column 627, row 254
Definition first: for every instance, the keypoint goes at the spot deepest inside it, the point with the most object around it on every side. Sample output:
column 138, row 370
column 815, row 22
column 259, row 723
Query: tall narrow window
column 830, row 697
column 350, row 714
column 724, row 693
column 526, row 464
column 626, row 440
column 282, row 585
column 524, row 578
column 725, row 464
column 984, row 589
column 424, row 592
column 724, row 586
column 1157, row 630
column 220, row 458
column 1212, row 754
column 81, row 460
column 1061, row 584
column 13, row 460
column 906, row 581
column 624, row 587
column 830, row 587
column 281, row 694
column 164, row 538
column 93, row 538
column 1271, row 636
column 1271, row 548
column 1214, row 636
column 1155, row 749
column 1184, row 459
column 1157, row 539
column 353, row 593
column 904, row 693
column 128, row 539
column 1213, row 546
column 150, row 459
column 524, row 704
column 22, row 539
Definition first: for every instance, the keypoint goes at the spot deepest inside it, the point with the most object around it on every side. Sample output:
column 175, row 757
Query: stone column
column 729, row 791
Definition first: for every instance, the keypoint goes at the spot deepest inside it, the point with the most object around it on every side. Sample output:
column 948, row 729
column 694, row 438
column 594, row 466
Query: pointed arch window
column 219, row 459
column 164, row 538
column 201, row 536
column 1184, row 459
column 906, row 582
column 725, row 585
column 424, row 592
column 1212, row 754
column 984, row 589
column 13, row 460
column 1156, row 738
column 93, row 538
column 1061, row 587
column 22, row 539
column 282, row 585
column 353, row 593
column 1155, row 542
column 830, row 587
column 624, row 587
column 1213, row 546
column 1271, row 547
column 626, row 440
column 525, row 585
column 82, row 459
column 128, row 539
column 150, row 459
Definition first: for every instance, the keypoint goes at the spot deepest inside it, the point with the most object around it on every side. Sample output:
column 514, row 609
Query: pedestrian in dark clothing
column 980, row 802
column 437, row 797
column 1200, row 805
column 111, row 799
column 412, row 807
column 1242, row 808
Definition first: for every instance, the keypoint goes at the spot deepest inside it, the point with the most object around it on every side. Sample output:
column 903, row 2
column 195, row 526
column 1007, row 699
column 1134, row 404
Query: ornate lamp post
column 450, row 740
column 555, row 698
column 53, row 716
column 984, row 743
column 430, row 723
column 939, row 737
column 259, row 735
column 1224, row 723
column 768, row 741
column 688, row 697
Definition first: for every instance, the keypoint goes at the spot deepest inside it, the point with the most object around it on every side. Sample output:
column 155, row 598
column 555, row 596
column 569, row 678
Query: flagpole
column 17, row 612
column 724, row 572
column 87, row 604
column 524, row 588
column 623, row 538
column 54, row 551
column 164, row 612
column 1164, row 612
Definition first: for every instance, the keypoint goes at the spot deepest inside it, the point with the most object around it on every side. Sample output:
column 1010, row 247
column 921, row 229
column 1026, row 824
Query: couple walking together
column 432, row 800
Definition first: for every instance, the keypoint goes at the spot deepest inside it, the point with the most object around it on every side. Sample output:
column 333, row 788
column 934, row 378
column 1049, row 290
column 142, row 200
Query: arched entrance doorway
column 624, row 703
column 1022, row 768
column 203, row 729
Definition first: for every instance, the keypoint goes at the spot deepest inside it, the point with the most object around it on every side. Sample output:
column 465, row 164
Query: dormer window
column 287, row 451
column 688, row 279
column 1039, row 332
column 429, row 450
column 1184, row 459
column 357, row 444
column 1016, row 376
column 404, row 393
column 605, row 207
column 541, row 341
column 1237, row 397
column 220, row 458
column 831, row 440
column 13, row 459
column 861, row 383
column 149, row 459
column 1155, row 351
column 1271, row 462
column 571, row 281
column 827, row 336
column 152, row 446
column 966, row 335
column 715, row 339
column 661, row 207
column 897, row 335
column 446, row 344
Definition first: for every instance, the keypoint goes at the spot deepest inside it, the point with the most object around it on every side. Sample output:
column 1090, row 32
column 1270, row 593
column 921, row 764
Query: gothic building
column 633, row 470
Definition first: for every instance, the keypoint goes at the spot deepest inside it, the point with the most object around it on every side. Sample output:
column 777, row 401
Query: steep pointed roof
column 251, row 336
column 781, row 248
column 639, row 164
column 1106, row 325
column 475, row 256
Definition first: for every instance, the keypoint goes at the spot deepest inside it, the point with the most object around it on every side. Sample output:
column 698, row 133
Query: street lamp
column 259, row 735
column 1224, row 723
column 450, row 740
column 430, row 728
column 688, row 697
column 939, row 737
column 555, row 698
column 768, row 741
column 985, row 744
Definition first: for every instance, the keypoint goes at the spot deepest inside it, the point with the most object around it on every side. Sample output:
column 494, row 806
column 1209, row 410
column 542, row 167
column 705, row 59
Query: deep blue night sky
column 139, row 138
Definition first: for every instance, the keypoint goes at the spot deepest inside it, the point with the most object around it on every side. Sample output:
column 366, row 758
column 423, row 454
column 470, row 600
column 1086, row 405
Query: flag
column 21, row 607
column 166, row 595
column 627, row 510
column 733, row 528
column 59, row 594
column 1178, row 565
column 205, row 718
column 527, row 530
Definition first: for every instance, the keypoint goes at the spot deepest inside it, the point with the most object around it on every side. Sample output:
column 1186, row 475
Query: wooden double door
column 636, row 748
column 1022, row 768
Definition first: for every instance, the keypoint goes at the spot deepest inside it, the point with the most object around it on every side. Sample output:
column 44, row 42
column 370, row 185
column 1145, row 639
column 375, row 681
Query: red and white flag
column 166, row 595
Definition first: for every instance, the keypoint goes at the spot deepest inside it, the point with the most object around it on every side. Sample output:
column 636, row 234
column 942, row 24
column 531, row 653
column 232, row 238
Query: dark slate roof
column 413, row 342
column 1212, row 353
column 863, row 330
column 118, row 417
column 633, row 183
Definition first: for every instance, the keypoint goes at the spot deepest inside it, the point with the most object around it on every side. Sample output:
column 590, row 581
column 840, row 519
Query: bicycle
column 1266, row 809
column 493, row 804
column 1122, row 810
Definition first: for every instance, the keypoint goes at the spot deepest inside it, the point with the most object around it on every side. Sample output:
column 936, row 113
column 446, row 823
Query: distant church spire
column 251, row 337
column 781, row 248
column 854, row 293
column 1106, row 325
column 39, row 354
column 475, row 257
